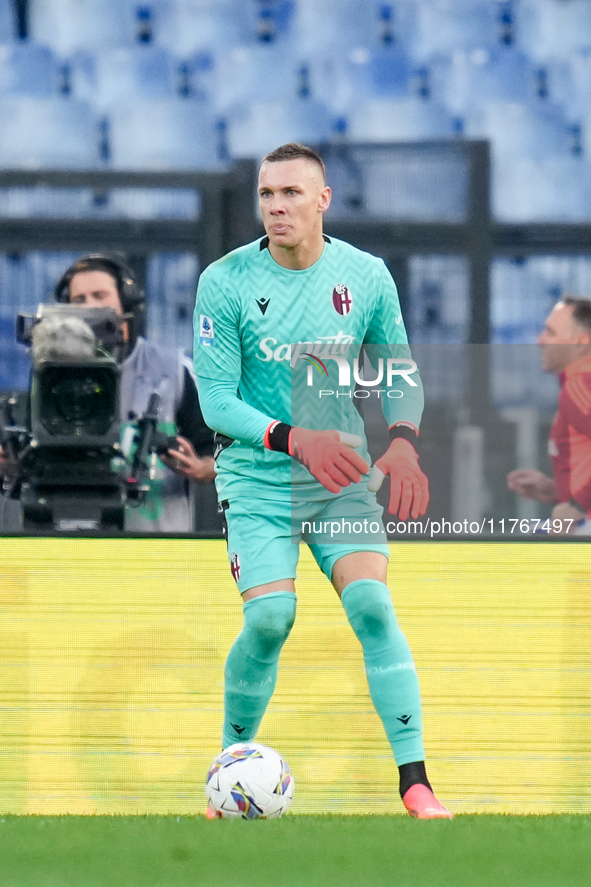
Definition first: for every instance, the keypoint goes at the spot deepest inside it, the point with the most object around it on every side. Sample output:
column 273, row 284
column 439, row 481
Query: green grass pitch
column 297, row 851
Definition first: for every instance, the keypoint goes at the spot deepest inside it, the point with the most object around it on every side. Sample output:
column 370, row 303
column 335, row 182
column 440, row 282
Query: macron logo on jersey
column 206, row 334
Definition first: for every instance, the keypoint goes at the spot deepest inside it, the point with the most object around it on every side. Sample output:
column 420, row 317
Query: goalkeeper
column 296, row 285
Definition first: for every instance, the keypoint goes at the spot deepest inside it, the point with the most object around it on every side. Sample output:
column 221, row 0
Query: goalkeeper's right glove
column 328, row 455
column 409, row 487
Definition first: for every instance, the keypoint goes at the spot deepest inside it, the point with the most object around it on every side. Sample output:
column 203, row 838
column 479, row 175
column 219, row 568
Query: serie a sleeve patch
column 206, row 333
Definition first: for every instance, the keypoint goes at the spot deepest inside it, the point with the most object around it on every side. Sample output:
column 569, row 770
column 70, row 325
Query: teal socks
column 391, row 675
column 251, row 667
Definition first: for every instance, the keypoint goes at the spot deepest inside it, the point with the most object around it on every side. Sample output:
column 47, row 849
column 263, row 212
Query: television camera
column 61, row 440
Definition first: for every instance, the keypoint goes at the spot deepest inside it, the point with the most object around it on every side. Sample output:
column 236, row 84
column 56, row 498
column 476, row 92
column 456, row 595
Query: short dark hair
column 581, row 310
column 293, row 151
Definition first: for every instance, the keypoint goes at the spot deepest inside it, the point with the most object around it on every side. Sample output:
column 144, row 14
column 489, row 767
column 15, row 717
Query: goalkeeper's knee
column 268, row 620
column 369, row 609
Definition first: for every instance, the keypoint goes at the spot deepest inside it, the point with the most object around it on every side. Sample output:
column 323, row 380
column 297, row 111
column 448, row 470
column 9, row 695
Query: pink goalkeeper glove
column 328, row 456
column 409, row 487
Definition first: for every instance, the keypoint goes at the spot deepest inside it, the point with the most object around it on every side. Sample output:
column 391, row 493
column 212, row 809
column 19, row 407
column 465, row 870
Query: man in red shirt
column 566, row 352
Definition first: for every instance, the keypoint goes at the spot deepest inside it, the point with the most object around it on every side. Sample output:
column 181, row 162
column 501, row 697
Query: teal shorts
column 264, row 535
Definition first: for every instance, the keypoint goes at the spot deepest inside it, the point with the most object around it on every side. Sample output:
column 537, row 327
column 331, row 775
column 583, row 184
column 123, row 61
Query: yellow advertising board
column 111, row 678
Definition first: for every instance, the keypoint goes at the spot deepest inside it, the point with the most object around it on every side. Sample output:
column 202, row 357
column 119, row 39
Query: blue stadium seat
column 196, row 75
column 565, row 82
column 446, row 26
column 336, row 25
column 253, row 73
column 68, row 25
column 177, row 134
column 275, row 69
column 346, row 80
column 553, row 28
column 273, row 19
column 54, row 132
column 465, row 79
column 7, row 22
column 535, row 174
column 28, row 69
column 188, row 26
column 264, row 125
column 389, row 72
column 111, row 75
column 391, row 120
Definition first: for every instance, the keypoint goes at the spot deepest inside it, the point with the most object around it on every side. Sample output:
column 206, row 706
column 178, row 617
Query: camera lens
column 77, row 400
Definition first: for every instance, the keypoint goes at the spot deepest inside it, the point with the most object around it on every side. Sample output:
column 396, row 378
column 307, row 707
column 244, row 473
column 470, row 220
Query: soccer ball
column 249, row 781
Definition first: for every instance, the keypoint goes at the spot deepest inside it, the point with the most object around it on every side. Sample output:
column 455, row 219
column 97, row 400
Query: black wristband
column 404, row 431
column 278, row 437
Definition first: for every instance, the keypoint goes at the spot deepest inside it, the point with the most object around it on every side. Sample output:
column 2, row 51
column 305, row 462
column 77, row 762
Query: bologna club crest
column 341, row 299
column 235, row 566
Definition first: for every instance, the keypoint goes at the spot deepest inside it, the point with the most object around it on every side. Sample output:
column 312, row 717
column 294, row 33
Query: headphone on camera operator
column 131, row 296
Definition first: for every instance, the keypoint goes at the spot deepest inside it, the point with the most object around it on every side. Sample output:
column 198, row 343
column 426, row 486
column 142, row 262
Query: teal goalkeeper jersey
column 279, row 337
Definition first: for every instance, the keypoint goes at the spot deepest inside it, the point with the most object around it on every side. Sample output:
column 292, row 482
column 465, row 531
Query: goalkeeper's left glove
column 409, row 487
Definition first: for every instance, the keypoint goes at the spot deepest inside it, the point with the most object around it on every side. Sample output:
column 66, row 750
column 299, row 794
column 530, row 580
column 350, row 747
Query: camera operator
column 186, row 471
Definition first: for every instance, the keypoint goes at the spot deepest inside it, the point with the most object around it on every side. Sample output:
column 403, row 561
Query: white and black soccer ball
column 249, row 781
